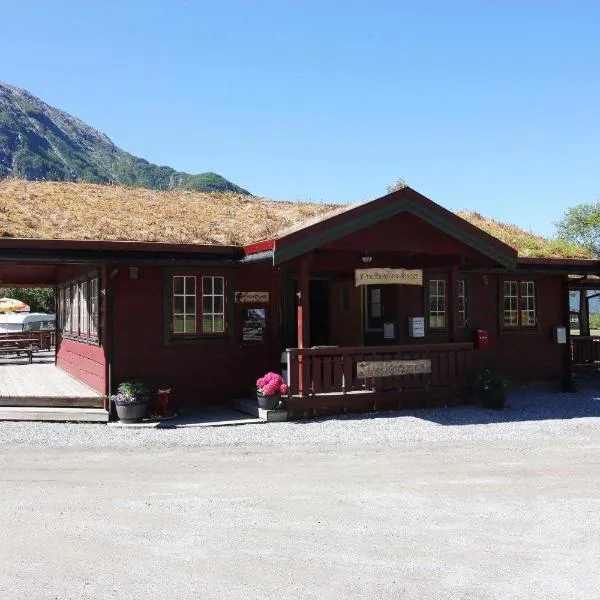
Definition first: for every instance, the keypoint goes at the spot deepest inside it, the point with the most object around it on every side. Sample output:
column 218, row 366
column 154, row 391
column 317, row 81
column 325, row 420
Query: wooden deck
column 42, row 391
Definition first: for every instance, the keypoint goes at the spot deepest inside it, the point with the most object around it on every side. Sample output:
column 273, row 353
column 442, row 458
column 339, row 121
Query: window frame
column 199, row 296
column 428, row 296
column 71, row 312
column 519, row 281
column 372, row 323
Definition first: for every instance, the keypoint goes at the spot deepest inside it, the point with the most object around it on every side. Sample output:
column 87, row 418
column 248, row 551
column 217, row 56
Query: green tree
column 581, row 225
column 38, row 299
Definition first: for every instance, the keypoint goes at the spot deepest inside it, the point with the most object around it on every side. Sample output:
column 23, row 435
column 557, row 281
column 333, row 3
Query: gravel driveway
column 455, row 503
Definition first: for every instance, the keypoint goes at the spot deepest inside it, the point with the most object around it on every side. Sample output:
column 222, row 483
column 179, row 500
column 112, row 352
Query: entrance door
column 345, row 314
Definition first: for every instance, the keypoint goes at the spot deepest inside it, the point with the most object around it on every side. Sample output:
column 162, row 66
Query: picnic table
column 18, row 345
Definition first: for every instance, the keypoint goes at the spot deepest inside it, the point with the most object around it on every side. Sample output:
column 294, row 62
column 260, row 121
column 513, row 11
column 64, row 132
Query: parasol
column 12, row 305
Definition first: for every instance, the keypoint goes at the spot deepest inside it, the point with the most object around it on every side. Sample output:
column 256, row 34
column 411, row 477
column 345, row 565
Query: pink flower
column 270, row 384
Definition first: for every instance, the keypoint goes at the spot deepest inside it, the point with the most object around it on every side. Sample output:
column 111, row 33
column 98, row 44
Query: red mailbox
column 482, row 339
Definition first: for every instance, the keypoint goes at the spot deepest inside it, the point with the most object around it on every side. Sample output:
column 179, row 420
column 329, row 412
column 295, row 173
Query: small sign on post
column 391, row 368
column 252, row 297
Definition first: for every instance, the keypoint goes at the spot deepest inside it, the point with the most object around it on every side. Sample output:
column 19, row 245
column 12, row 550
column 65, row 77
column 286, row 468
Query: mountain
column 39, row 142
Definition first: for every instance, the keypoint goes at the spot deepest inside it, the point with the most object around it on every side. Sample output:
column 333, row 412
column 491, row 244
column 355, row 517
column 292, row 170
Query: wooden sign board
column 254, row 324
column 388, row 276
column 252, row 297
column 391, row 368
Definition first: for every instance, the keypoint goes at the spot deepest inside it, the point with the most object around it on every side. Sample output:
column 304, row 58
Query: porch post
column 568, row 384
column 303, row 325
column 304, row 306
column 452, row 295
column 584, row 313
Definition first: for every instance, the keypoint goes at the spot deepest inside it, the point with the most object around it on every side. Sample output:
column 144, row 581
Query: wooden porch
column 329, row 380
column 43, row 392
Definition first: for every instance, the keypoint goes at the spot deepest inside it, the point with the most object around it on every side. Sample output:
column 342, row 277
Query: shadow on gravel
column 526, row 404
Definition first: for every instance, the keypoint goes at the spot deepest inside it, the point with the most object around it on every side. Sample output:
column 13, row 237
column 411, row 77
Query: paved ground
column 468, row 515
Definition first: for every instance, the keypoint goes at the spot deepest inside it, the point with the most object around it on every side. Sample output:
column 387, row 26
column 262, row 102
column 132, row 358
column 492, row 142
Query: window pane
column 207, row 304
column 178, row 304
column 218, row 305
column 190, row 323
column 218, row 285
column 207, row 285
column 178, row 324
column 178, row 285
column 219, row 324
column 190, row 304
column 207, row 324
column 190, row 285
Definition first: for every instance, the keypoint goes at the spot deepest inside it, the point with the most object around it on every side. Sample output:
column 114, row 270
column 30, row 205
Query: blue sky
column 490, row 106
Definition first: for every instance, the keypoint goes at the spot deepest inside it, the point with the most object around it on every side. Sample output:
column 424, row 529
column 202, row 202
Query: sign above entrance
column 386, row 276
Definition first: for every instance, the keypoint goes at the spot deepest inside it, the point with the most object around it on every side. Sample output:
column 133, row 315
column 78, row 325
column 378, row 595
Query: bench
column 28, row 350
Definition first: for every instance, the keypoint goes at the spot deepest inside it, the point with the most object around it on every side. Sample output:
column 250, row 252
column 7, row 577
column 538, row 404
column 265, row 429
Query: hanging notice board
column 254, row 325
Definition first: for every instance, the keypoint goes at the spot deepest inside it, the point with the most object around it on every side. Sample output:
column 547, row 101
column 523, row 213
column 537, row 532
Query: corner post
column 304, row 325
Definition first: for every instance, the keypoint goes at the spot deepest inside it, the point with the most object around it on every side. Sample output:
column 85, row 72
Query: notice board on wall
column 254, row 325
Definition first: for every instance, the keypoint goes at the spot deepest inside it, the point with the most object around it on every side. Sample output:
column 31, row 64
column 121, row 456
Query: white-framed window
column 437, row 304
column 184, row 304
column 518, row 304
column 213, row 304
column 198, row 305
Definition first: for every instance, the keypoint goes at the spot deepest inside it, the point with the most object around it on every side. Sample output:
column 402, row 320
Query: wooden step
column 249, row 406
column 53, row 401
column 40, row 413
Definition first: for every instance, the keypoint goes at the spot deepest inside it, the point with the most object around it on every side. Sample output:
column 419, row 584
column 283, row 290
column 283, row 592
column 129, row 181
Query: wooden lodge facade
column 396, row 303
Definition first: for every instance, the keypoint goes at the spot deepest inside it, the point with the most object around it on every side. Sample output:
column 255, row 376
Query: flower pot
column 493, row 398
column 132, row 412
column 268, row 402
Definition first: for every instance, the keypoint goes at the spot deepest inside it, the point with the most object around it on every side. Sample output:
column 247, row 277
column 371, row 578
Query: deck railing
column 326, row 370
column 585, row 351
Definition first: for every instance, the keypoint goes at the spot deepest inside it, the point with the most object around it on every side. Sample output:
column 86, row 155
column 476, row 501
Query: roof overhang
column 562, row 266
column 405, row 200
column 93, row 251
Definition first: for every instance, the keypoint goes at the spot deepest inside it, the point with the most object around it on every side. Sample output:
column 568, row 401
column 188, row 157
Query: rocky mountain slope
column 39, row 142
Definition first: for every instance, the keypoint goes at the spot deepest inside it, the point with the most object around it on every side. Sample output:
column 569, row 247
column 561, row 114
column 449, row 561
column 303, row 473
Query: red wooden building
column 395, row 303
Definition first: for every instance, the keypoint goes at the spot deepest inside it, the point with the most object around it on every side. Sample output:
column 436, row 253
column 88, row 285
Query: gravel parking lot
column 451, row 503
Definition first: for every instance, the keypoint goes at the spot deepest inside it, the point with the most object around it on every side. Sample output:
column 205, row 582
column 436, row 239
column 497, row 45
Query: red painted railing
column 323, row 370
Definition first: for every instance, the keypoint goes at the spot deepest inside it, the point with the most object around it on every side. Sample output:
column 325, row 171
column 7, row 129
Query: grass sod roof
column 83, row 211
